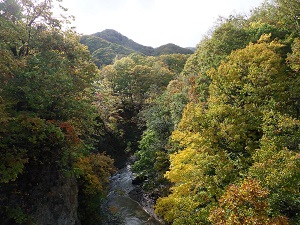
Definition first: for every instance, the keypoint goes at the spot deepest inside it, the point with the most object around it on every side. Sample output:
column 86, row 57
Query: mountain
column 109, row 44
column 117, row 38
column 103, row 51
column 171, row 49
column 192, row 48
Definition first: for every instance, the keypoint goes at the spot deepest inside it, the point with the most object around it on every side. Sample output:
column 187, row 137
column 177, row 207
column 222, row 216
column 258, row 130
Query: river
column 119, row 208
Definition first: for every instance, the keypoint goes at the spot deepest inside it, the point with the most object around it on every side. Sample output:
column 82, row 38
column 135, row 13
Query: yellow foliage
column 178, row 210
column 95, row 169
column 213, row 143
column 244, row 205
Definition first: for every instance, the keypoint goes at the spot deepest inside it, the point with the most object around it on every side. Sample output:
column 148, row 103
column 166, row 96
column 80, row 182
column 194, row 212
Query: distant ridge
column 105, row 46
column 117, row 38
column 192, row 48
column 171, row 49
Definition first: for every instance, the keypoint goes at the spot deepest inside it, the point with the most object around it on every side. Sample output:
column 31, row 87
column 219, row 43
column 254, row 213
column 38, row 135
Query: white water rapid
column 120, row 208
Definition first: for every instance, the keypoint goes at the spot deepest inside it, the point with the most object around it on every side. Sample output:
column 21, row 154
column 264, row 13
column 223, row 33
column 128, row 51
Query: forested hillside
column 109, row 45
column 214, row 136
column 117, row 38
column 104, row 52
column 232, row 156
column 49, row 124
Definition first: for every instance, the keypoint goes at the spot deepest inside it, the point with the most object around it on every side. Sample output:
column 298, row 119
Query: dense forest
column 214, row 135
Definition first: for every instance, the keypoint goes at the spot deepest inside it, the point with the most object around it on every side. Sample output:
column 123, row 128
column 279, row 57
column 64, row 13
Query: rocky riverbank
column 146, row 200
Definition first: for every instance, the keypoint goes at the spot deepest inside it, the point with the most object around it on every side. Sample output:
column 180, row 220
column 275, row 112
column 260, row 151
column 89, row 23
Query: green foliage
column 293, row 58
column 229, row 35
column 160, row 117
column 149, row 145
column 288, row 12
column 93, row 42
column 104, row 52
column 126, row 87
column 256, row 29
column 11, row 10
column 152, row 156
column 19, row 216
column 174, row 62
column 132, row 77
column 277, row 163
column 28, row 140
column 47, row 117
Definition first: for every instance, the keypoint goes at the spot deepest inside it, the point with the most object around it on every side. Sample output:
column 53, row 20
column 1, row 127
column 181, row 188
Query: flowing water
column 119, row 207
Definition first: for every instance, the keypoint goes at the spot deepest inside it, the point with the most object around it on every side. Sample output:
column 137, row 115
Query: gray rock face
column 59, row 206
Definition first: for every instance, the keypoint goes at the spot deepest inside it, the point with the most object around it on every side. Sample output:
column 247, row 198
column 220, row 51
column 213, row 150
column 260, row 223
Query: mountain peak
column 115, row 37
column 111, row 43
column 110, row 35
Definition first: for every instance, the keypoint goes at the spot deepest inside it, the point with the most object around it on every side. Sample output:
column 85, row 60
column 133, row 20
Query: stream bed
column 119, row 208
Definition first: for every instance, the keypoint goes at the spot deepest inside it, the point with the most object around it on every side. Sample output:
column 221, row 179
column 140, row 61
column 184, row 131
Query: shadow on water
column 119, row 207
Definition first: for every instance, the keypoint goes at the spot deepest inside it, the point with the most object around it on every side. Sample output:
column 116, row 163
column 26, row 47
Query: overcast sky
column 155, row 22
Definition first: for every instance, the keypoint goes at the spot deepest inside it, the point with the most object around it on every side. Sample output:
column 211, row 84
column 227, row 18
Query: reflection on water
column 120, row 208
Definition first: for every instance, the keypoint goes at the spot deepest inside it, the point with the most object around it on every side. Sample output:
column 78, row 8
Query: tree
column 293, row 62
column 245, row 204
column 276, row 164
column 213, row 145
column 228, row 35
column 152, row 158
column 47, row 116
column 289, row 13
column 94, row 171
column 160, row 115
